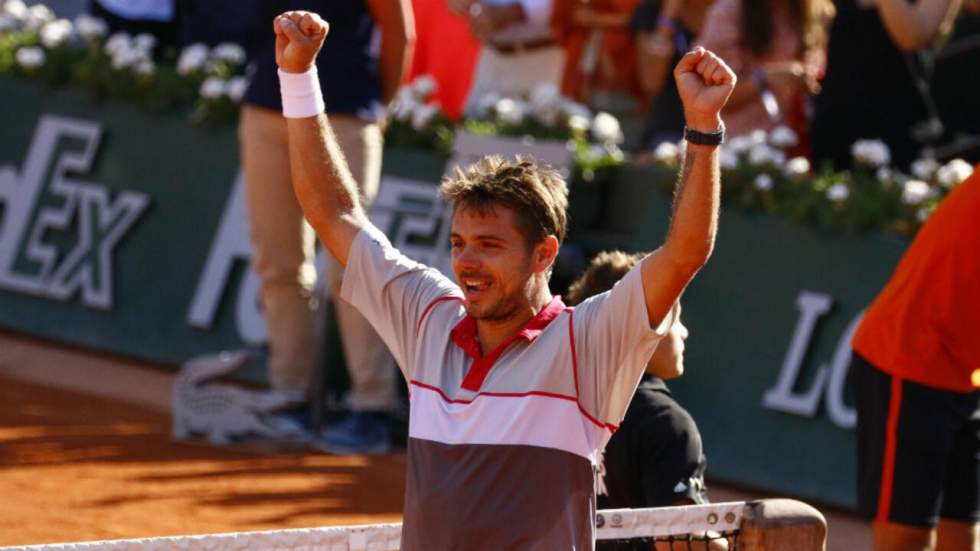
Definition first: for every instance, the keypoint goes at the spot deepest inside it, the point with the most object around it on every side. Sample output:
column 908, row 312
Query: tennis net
column 766, row 525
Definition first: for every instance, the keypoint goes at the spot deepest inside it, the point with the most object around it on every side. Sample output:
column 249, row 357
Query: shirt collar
column 465, row 336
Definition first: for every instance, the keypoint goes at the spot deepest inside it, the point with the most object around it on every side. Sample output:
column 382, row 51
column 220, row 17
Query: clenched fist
column 704, row 83
column 299, row 36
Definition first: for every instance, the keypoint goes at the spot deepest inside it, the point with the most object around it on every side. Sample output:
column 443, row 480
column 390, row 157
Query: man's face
column 492, row 262
column 667, row 361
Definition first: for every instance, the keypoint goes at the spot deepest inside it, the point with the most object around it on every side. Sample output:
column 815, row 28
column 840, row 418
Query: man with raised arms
column 513, row 395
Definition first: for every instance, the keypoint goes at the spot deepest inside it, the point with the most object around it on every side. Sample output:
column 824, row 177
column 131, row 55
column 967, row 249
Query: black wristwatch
column 701, row 138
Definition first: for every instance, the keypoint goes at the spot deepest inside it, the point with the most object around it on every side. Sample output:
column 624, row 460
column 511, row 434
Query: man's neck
column 492, row 333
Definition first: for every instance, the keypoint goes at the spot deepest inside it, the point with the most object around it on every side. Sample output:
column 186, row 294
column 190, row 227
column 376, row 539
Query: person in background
column 655, row 459
column 155, row 17
column 663, row 32
column 777, row 48
column 601, row 57
column 357, row 83
column 915, row 371
column 877, row 81
column 519, row 51
column 454, row 67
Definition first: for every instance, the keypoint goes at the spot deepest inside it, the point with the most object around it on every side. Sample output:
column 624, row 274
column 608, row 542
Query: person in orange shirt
column 916, row 374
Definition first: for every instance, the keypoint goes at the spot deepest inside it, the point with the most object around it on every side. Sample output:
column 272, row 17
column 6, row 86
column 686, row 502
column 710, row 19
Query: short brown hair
column 606, row 269
column 537, row 193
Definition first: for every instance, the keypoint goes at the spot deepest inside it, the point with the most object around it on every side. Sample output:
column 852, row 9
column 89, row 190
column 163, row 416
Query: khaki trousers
column 514, row 75
column 283, row 254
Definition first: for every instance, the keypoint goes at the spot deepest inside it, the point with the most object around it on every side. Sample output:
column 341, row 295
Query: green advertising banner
column 125, row 232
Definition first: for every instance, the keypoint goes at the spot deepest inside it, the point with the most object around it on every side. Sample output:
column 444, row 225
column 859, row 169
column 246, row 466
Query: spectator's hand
column 704, row 83
column 299, row 36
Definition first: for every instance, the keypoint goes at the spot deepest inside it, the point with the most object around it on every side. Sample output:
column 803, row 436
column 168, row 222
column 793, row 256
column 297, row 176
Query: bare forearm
column 913, row 26
column 697, row 197
column 323, row 184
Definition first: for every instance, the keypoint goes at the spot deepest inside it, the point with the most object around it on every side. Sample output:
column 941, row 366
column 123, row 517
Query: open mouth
column 475, row 287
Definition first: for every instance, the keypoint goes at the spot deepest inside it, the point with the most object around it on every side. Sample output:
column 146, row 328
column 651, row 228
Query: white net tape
column 614, row 524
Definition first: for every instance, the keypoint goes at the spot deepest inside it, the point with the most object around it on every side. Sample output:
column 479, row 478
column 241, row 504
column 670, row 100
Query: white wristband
column 301, row 95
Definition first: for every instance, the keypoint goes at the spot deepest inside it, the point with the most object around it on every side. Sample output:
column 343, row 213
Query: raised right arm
column 322, row 181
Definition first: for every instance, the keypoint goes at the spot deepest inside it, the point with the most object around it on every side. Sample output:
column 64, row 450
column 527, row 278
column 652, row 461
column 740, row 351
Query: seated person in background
column 655, row 459
column 777, row 48
column 663, row 31
column 601, row 58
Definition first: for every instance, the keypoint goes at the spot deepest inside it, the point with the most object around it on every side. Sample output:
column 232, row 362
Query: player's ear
column 545, row 253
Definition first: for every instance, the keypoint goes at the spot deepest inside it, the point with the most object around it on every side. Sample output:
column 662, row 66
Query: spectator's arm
column 914, row 26
column 397, row 41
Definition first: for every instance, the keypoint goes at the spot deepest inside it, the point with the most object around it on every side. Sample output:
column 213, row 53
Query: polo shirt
column 502, row 449
column 924, row 325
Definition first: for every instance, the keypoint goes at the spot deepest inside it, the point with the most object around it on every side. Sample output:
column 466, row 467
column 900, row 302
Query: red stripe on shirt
column 418, row 329
column 447, row 399
column 891, row 444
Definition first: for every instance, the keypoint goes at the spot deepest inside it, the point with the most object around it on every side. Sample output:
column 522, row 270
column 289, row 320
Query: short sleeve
column 392, row 292
column 613, row 343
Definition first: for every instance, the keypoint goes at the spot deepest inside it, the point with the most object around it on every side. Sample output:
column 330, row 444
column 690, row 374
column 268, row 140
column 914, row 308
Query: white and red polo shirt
column 502, row 447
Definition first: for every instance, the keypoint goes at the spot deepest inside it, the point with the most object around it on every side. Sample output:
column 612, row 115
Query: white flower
column 763, row 182
column 145, row 42
column 90, row 27
column 55, row 33
column 192, row 59
column 605, row 128
column 914, row 192
column 213, row 88
column 885, row 175
column 146, row 68
column 37, row 16
column 423, row 86
column 728, row 159
column 486, row 103
column 237, row 87
column 923, row 214
column 404, row 105
column 595, row 152
column 838, row 192
column 511, row 111
column 758, row 136
column 954, row 172
column 423, row 115
column 873, row 153
column 667, row 152
column 578, row 124
column 30, row 57
column 118, row 42
column 574, row 109
column 740, row 144
column 16, row 9
column 125, row 58
column 783, row 137
column 761, row 154
column 924, row 169
column 229, row 52
column 798, row 166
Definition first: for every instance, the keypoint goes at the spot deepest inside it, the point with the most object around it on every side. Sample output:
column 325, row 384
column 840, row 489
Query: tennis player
column 513, row 395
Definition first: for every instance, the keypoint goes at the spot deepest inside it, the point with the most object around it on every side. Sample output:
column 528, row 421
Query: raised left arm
column 397, row 22
column 704, row 82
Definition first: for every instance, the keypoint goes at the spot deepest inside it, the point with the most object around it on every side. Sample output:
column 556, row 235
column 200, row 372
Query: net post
column 782, row 525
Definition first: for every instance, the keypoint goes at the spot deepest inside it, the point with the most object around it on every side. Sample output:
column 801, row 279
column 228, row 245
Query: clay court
column 86, row 454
